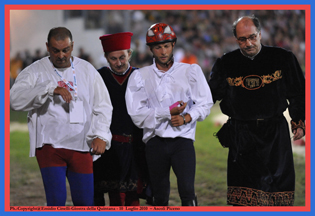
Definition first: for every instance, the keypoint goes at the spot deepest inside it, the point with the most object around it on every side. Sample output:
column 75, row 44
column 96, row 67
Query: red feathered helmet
column 160, row 33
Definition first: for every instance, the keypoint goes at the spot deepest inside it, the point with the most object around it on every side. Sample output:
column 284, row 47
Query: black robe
column 260, row 161
column 122, row 168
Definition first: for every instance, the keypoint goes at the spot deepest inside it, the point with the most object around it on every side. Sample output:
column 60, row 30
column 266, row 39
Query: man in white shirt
column 69, row 117
column 166, row 99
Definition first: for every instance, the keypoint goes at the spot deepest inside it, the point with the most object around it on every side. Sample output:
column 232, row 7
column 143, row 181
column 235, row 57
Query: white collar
column 162, row 71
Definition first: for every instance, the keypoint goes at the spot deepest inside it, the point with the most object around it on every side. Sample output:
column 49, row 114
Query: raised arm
column 27, row 93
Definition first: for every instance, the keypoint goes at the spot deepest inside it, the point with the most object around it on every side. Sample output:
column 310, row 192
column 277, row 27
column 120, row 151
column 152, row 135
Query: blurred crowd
column 203, row 35
column 22, row 60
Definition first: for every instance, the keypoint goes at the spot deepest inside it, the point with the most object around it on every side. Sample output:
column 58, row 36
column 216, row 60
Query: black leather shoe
column 190, row 202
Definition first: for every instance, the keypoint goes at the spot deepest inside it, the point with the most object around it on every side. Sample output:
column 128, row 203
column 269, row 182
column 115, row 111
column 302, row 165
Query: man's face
column 162, row 52
column 118, row 60
column 248, row 38
column 60, row 52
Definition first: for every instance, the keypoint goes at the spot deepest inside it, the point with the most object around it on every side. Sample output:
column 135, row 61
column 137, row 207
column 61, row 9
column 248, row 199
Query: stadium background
column 203, row 35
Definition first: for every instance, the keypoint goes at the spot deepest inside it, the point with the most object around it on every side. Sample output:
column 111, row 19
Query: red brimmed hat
column 114, row 42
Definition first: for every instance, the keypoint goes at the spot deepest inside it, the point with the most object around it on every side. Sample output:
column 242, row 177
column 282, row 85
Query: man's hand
column 177, row 120
column 98, row 146
column 65, row 94
column 298, row 133
column 178, row 110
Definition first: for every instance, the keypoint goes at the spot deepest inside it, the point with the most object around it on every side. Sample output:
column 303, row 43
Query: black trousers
column 161, row 155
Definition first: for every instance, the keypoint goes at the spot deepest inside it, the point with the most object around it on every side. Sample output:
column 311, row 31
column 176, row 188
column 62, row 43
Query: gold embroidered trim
column 294, row 125
column 251, row 82
column 253, row 197
column 235, row 81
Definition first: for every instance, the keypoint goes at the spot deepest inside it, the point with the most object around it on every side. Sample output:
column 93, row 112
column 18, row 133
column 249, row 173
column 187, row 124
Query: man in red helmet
column 166, row 99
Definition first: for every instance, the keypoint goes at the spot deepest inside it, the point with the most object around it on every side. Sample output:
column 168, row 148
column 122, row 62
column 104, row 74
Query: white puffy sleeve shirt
column 150, row 92
column 48, row 117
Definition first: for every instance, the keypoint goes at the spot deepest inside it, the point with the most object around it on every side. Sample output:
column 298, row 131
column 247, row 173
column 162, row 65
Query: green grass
column 18, row 116
column 210, row 183
column 19, row 151
column 299, row 163
column 22, row 167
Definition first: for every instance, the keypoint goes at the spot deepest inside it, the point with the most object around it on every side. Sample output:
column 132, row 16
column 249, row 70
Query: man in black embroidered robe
column 256, row 84
column 121, row 171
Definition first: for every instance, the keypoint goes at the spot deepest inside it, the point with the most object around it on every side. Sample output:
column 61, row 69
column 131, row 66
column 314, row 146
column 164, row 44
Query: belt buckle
column 129, row 137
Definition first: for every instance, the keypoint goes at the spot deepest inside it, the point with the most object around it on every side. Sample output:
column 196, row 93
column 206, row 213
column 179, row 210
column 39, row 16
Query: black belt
column 257, row 121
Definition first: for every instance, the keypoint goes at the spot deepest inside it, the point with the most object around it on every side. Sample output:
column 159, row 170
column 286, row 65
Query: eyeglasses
column 251, row 38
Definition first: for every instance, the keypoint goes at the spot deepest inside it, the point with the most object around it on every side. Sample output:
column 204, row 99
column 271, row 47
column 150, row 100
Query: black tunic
column 260, row 161
column 123, row 166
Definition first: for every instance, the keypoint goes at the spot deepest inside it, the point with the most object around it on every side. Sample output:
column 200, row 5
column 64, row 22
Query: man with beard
column 256, row 84
column 166, row 99
column 69, row 116
column 121, row 171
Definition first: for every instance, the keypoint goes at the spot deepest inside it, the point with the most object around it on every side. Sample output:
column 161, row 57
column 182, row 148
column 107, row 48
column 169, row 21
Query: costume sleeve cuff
column 295, row 125
column 193, row 117
column 163, row 113
column 102, row 138
column 51, row 90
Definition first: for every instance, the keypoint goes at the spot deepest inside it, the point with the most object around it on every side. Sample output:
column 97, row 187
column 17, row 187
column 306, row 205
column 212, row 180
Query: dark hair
column 252, row 17
column 59, row 33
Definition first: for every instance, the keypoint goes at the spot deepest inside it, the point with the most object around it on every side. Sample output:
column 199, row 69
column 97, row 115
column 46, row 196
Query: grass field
column 27, row 188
